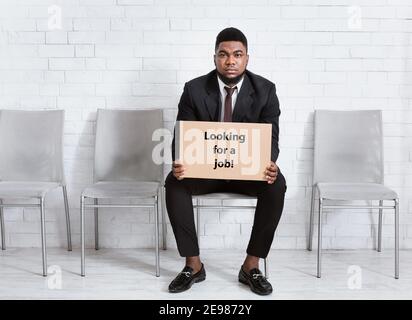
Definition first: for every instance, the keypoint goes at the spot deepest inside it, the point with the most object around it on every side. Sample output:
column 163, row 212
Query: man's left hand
column 271, row 172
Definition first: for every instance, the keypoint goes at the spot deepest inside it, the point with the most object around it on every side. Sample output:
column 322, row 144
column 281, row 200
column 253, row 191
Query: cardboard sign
column 223, row 150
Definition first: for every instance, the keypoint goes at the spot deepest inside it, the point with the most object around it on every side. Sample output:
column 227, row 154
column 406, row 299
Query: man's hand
column 178, row 170
column 271, row 172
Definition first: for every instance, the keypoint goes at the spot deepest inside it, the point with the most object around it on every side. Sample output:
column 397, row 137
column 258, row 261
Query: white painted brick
column 83, row 76
column 49, row 90
column 21, row 89
column 21, row 76
column 135, row 2
column 18, row 37
column 151, row 24
column 18, row 24
column 54, row 37
column 114, row 51
column 120, row 24
column 327, row 77
column 158, row 90
column 325, row 24
column 158, row 77
column 237, row 216
column 332, row 52
column 87, row 24
column 185, row 24
column 124, row 64
column 77, row 89
column 343, row 64
column 352, row 38
column 56, row 51
column 222, row 229
column 95, row 63
column 84, row 50
column 122, row 37
column 120, row 76
column 145, row 12
column 211, row 242
column 296, row 12
column 105, row 11
column 66, row 63
column 111, row 89
column 261, row 12
column 368, row 52
column 161, row 64
column 293, row 51
column 83, row 37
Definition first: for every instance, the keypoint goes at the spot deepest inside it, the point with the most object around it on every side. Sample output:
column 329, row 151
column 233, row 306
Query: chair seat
column 355, row 191
column 122, row 189
column 25, row 189
column 224, row 196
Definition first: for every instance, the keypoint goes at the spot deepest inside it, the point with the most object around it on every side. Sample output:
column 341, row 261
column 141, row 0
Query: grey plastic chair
column 348, row 165
column 123, row 167
column 223, row 196
column 31, row 163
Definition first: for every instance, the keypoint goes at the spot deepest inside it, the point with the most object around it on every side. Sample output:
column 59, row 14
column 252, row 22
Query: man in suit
column 228, row 93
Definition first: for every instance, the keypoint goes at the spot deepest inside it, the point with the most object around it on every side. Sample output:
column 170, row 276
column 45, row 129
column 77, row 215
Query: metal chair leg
column 266, row 268
column 96, row 225
column 156, row 216
column 312, row 211
column 43, row 236
column 380, row 227
column 164, row 225
column 397, row 239
column 82, row 236
column 68, row 230
column 320, row 237
column 198, row 220
column 3, row 230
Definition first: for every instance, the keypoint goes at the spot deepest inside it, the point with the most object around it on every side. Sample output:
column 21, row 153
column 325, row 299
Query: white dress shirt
column 223, row 94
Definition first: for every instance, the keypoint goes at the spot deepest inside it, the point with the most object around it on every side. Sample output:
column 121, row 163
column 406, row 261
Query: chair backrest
column 124, row 145
column 348, row 146
column 31, row 145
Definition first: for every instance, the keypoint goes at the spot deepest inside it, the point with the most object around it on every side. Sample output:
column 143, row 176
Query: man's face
column 231, row 59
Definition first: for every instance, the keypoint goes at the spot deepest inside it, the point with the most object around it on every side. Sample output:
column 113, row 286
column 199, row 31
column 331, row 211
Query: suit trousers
column 270, row 201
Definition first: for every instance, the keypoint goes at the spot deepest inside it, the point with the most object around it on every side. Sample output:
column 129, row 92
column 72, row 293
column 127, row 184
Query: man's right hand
column 178, row 170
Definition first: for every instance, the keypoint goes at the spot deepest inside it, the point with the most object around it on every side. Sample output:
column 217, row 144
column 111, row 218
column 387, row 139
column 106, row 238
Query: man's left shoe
column 256, row 281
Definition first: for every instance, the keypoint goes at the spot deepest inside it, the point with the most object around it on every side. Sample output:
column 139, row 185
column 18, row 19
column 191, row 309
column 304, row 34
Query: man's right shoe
column 185, row 279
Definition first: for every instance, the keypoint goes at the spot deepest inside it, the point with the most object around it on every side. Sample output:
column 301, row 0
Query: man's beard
column 230, row 81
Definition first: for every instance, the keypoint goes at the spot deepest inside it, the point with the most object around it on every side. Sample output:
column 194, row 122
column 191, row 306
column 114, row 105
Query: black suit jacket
column 256, row 102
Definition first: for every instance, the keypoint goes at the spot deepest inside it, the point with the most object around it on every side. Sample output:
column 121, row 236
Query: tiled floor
column 129, row 274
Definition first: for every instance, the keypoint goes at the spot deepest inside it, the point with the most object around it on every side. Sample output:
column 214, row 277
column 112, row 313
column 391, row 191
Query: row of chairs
column 348, row 165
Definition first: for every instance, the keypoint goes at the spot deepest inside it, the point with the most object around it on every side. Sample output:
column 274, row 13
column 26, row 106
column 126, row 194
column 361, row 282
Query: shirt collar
column 222, row 85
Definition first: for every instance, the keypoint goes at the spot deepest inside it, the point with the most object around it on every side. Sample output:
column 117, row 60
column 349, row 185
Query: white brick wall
column 139, row 53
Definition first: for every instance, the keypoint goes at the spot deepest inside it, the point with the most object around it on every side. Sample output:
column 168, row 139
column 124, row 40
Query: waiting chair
column 223, row 196
column 214, row 196
column 31, row 163
column 123, row 167
column 348, row 165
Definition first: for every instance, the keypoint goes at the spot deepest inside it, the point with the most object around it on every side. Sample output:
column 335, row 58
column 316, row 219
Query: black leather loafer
column 256, row 281
column 186, row 279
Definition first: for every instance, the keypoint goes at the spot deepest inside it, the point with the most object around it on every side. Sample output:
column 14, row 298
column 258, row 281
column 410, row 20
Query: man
column 228, row 93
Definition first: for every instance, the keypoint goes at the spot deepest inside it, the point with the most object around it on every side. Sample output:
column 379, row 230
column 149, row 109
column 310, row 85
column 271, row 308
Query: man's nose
column 230, row 60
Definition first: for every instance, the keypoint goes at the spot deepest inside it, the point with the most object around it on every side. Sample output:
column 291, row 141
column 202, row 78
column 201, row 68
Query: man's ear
column 214, row 60
column 247, row 59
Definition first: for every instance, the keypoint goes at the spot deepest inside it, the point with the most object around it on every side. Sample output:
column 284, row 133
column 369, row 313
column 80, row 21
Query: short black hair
column 230, row 34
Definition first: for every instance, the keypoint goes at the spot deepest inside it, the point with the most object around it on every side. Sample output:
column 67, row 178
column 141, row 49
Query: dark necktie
column 228, row 104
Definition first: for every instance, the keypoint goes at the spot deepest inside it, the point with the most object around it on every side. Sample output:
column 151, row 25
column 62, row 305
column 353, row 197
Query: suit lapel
column 213, row 96
column 244, row 100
